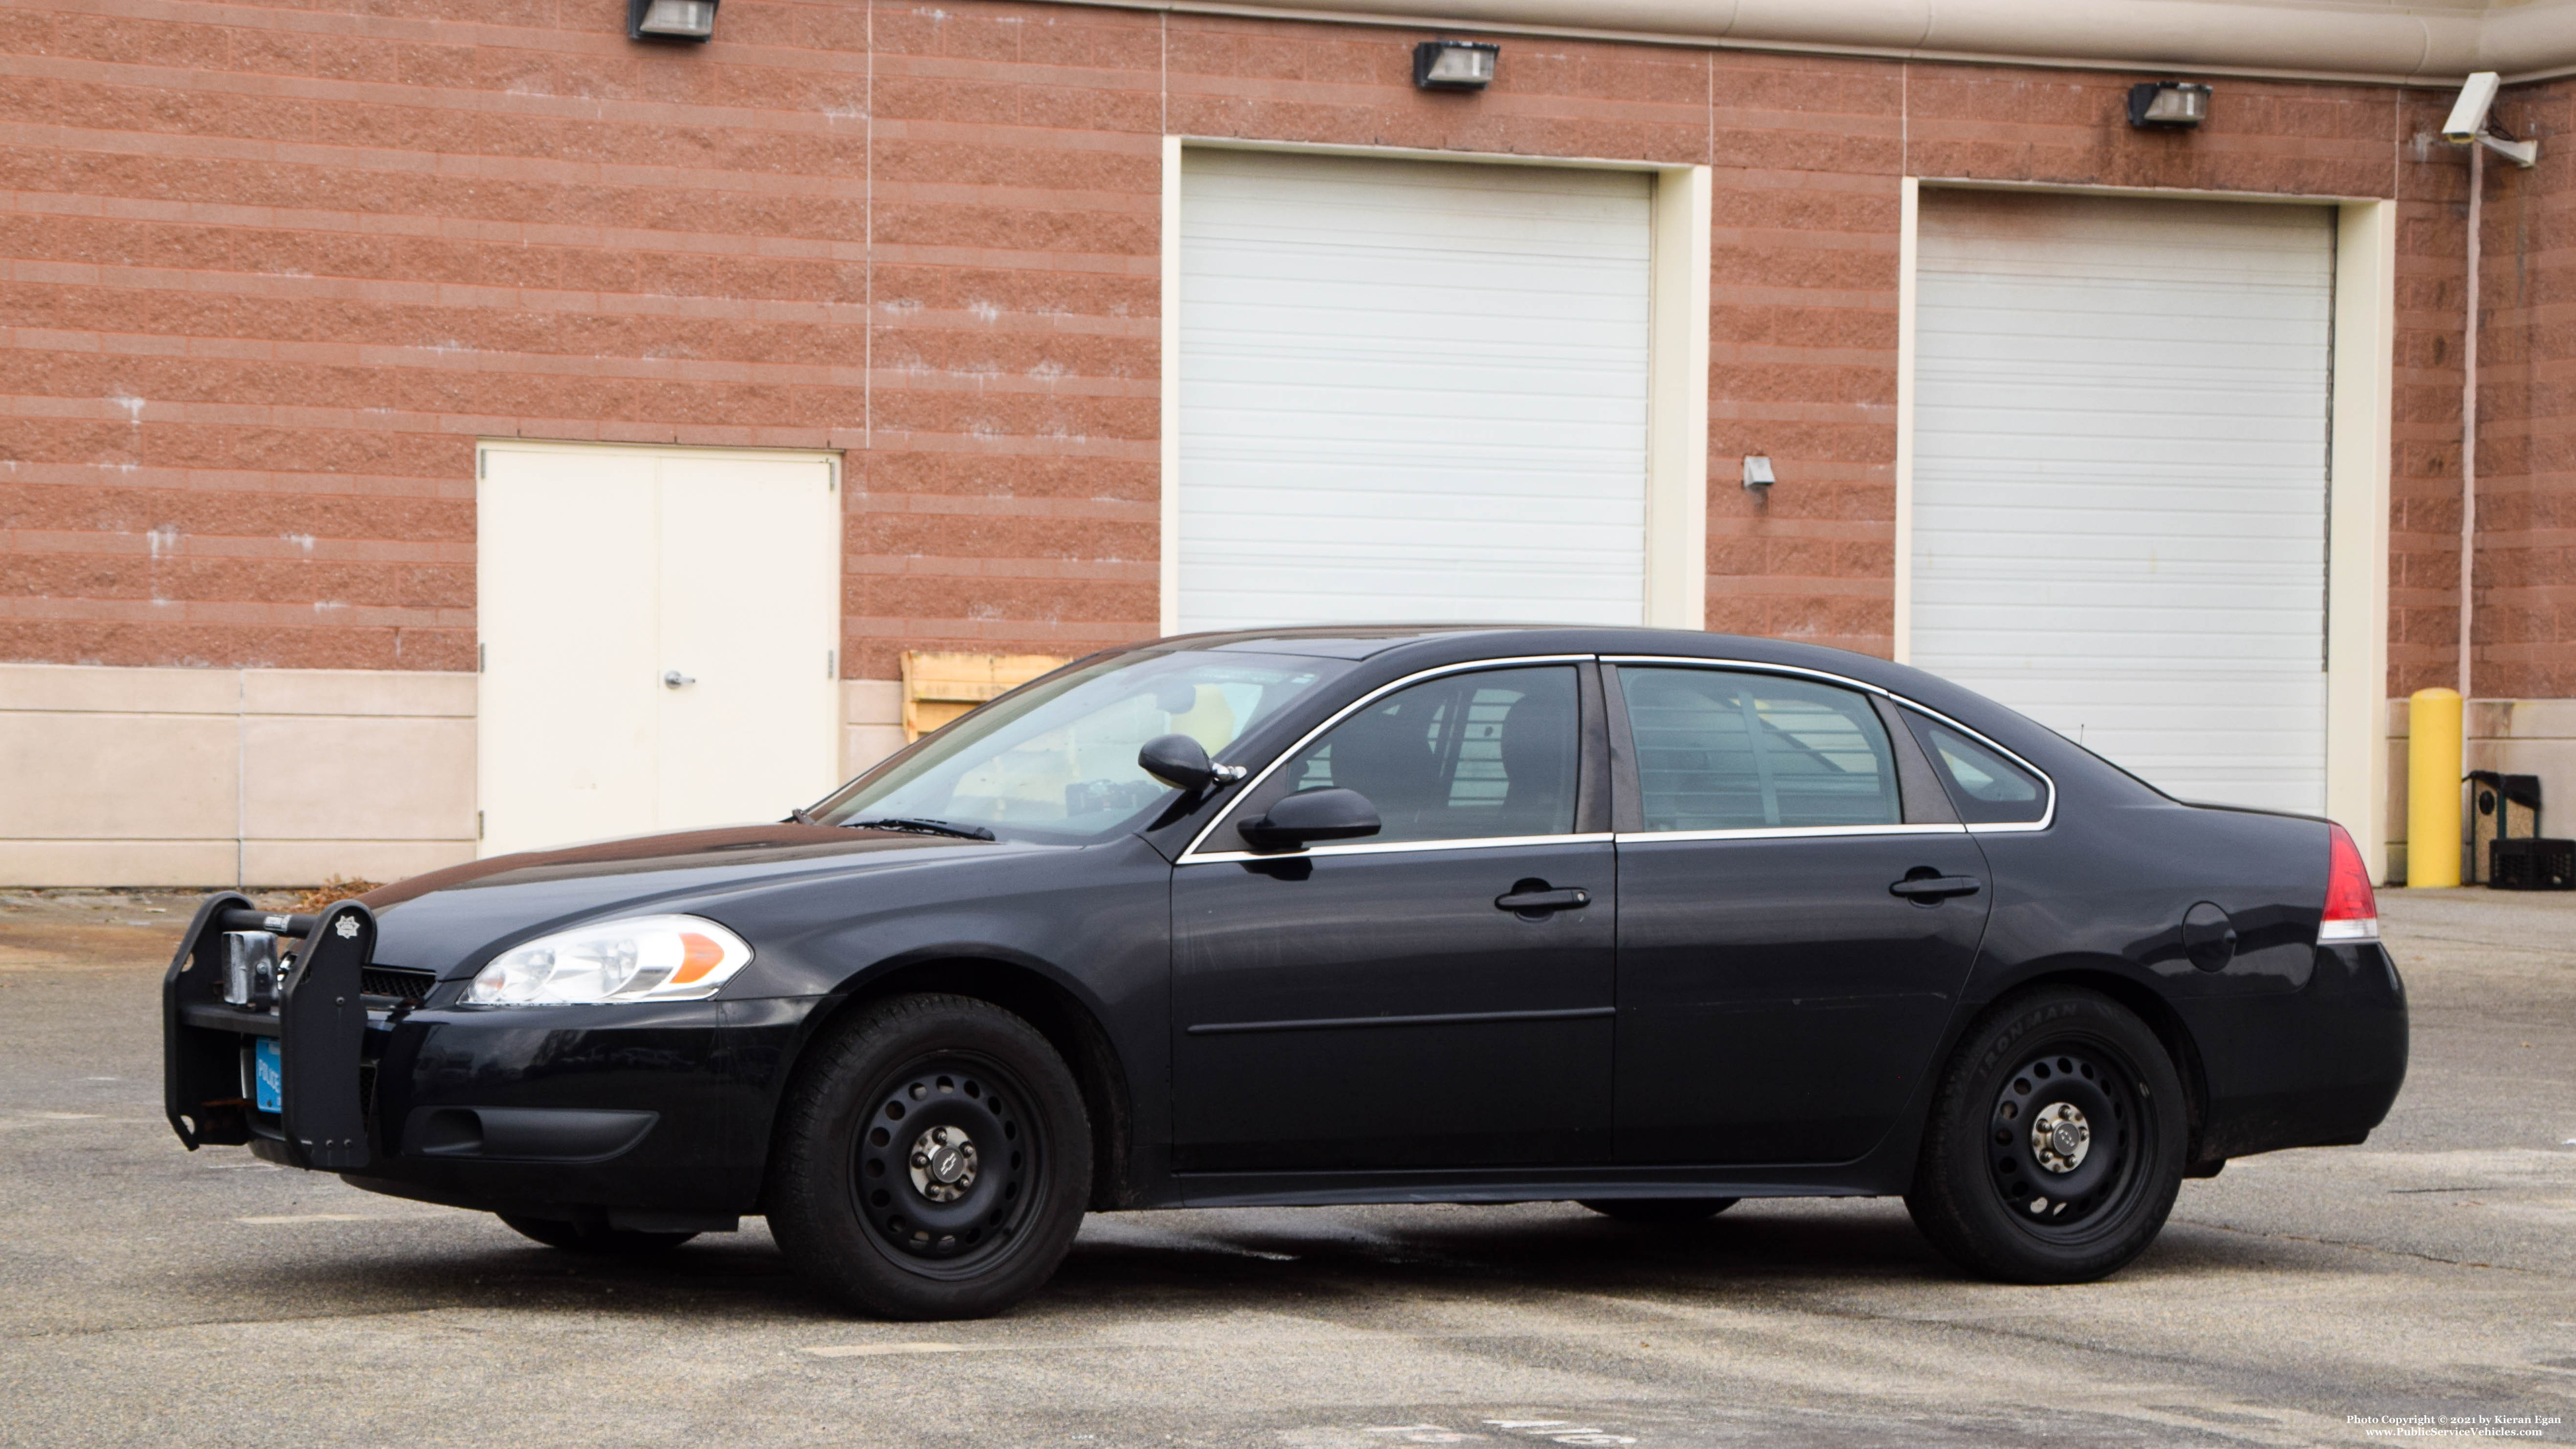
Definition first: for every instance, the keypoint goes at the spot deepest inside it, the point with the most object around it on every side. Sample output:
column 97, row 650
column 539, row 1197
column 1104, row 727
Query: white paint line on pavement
column 66, row 1116
column 877, row 1350
column 285, row 1219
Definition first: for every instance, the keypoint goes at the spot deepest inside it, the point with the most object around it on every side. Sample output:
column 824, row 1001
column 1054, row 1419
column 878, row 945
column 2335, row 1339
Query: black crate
column 2529, row 864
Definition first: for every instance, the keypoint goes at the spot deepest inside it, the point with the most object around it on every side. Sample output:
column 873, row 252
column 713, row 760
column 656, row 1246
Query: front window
column 1463, row 757
column 1055, row 760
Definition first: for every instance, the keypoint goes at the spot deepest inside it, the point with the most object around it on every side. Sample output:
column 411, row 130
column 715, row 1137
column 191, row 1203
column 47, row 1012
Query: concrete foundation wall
column 207, row 777
column 263, row 777
column 2511, row 736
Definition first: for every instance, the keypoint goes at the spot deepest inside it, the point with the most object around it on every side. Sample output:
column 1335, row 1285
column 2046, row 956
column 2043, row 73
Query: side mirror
column 1176, row 760
column 1182, row 763
column 1312, row 815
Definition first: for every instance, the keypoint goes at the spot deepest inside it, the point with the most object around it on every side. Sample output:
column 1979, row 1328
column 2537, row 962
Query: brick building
column 393, row 389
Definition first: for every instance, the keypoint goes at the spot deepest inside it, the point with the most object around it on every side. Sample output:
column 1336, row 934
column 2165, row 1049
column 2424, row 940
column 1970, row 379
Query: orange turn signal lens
column 702, row 956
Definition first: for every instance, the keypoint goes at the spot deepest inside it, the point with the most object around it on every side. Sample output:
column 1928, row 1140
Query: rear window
column 1718, row 750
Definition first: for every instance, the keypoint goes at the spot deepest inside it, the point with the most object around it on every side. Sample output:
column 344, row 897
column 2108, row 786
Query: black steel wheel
column 943, row 1171
column 1659, row 1211
column 933, row 1160
column 594, row 1238
column 2056, row 1143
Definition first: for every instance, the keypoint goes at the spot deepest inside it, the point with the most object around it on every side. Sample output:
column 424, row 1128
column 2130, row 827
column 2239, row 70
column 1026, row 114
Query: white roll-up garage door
column 2119, row 516
column 1411, row 391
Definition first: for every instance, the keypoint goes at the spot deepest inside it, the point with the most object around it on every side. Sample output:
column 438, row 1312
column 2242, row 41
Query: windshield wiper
column 800, row 817
column 923, row 825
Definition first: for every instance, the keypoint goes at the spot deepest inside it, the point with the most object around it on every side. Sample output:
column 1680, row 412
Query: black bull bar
column 318, row 1019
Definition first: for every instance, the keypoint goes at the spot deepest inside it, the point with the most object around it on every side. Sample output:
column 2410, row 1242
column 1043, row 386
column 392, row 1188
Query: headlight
column 637, row 958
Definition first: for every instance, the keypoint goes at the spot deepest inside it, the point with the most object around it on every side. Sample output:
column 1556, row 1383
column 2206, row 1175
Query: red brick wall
column 2525, row 624
column 269, row 273
column 2424, row 472
column 1008, row 494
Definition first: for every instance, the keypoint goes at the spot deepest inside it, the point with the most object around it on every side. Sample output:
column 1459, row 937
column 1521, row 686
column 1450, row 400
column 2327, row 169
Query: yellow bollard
column 2433, row 775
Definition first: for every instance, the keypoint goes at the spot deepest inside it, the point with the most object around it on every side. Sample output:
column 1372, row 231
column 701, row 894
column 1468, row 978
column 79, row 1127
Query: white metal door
column 604, row 571
column 1411, row 390
column 2119, row 498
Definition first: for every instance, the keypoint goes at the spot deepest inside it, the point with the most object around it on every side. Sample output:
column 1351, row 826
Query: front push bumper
column 315, row 1012
column 655, row 1114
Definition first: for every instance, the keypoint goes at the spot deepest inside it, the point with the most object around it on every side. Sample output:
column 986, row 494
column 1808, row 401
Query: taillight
column 2352, row 911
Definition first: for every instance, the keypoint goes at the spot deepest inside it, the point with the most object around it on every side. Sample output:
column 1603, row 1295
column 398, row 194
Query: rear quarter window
column 1986, row 788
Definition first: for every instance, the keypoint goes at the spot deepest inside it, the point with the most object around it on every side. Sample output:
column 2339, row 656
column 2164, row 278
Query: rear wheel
column 2056, row 1142
column 1661, row 1211
column 596, row 1239
column 933, row 1161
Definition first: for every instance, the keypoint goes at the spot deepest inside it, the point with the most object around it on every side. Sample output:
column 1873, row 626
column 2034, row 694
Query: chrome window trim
column 1786, row 832
column 1191, row 855
column 1392, row 847
column 2046, row 818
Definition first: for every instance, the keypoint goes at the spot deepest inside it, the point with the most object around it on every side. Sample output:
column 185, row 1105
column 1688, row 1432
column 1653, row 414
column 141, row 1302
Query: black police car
column 1650, row 921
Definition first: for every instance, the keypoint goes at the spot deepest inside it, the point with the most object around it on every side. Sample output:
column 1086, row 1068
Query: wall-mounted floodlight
column 670, row 19
column 2472, row 122
column 1455, row 65
column 1757, row 472
column 2168, row 105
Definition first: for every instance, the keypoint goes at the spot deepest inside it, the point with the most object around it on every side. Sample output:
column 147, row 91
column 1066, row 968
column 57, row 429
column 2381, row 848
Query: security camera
column 2469, row 114
column 2469, row 125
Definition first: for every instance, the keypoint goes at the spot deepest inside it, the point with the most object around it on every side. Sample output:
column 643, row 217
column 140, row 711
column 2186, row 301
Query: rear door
column 1798, row 909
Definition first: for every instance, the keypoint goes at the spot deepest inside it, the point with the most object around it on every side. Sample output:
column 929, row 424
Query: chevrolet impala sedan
column 1649, row 921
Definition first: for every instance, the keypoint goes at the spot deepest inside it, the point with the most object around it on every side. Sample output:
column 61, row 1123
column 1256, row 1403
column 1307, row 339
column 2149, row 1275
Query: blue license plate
column 267, row 1074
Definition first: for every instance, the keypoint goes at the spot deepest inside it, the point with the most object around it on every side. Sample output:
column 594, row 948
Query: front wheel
column 2055, row 1146
column 933, row 1161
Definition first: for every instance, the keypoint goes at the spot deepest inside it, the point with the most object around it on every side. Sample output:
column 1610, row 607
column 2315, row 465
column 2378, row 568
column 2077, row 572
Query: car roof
column 1458, row 641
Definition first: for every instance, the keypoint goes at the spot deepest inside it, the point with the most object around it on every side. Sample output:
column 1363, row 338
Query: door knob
column 1532, row 899
column 1929, row 888
column 674, row 679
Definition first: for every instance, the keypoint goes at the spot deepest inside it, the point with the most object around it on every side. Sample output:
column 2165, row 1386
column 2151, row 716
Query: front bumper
column 656, row 1113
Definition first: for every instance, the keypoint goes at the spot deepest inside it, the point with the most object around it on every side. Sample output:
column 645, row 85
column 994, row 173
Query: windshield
column 1055, row 760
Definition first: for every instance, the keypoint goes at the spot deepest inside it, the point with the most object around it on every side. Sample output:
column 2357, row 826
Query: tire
column 932, row 1161
column 595, row 1240
column 2055, row 1145
column 1660, row 1211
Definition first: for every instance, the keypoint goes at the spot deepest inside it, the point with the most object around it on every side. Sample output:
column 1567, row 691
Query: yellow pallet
column 939, row 686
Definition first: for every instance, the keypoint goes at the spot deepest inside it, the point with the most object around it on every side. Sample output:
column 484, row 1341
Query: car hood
column 450, row 921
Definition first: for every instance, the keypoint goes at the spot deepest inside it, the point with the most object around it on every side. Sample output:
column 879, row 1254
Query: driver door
column 1373, row 1004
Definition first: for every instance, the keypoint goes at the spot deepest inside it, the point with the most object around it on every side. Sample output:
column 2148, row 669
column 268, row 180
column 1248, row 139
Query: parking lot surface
column 2397, row 1290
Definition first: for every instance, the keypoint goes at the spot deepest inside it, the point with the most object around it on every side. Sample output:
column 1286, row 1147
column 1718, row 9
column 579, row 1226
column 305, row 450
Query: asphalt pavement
column 2408, row 1288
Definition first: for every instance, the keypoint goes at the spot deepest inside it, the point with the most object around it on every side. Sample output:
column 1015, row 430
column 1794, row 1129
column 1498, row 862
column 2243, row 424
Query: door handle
column 1936, row 887
column 674, row 679
column 1539, row 900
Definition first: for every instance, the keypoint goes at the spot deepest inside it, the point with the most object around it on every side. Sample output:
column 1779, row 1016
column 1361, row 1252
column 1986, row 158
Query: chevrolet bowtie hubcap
column 943, row 1164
